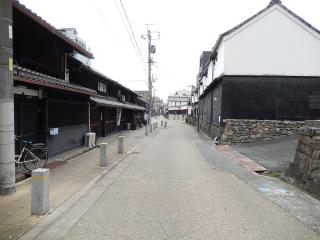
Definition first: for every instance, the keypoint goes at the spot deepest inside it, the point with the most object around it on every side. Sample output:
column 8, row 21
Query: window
column 102, row 87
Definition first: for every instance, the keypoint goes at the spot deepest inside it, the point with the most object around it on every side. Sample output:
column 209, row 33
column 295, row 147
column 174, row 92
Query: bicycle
column 32, row 156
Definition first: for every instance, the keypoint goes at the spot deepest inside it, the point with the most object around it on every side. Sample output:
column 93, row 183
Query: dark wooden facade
column 260, row 97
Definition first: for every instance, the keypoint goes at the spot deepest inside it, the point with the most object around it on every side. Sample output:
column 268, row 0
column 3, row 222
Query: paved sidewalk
column 67, row 177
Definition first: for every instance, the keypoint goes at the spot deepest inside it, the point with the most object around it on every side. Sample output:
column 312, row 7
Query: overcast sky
column 187, row 27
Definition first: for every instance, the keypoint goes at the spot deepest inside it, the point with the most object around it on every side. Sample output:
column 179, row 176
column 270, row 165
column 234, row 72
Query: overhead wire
column 132, row 38
column 104, row 19
column 131, row 33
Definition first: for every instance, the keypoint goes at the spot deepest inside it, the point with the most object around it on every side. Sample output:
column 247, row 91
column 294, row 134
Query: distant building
column 201, row 82
column 158, row 106
column 143, row 94
column 72, row 34
column 178, row 103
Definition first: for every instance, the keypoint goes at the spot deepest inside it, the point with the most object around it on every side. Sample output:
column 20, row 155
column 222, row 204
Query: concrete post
column 154, row 127
column 156, row 124
column 103, row 155
column 165, row 125
column 146, row 133
column 7, row 165
column 161, row 123
column 121, row 144
column 150, row 128
column 40, row 191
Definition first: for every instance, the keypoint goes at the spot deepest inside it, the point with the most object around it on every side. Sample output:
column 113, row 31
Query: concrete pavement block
column 40, row 191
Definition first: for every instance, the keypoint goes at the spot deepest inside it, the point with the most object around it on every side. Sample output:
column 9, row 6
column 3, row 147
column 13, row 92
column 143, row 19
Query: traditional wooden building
column 59, row 98
column 266, row 68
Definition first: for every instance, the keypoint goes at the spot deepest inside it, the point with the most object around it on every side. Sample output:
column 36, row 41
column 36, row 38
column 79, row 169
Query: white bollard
column 103, row 155
column 154, row 127
column 146, row 132
column 121, row 144
column 165, row 125
column 150, row 128
column 161, row 123
column 40, row 191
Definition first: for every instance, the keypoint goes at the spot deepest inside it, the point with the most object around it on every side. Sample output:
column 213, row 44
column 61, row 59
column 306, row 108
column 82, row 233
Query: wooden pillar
column 46, row 118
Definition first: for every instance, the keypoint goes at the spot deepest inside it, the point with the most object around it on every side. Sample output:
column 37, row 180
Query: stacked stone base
column 305, row 169
column 247, row 131
column 236, row 131
column 212, row 130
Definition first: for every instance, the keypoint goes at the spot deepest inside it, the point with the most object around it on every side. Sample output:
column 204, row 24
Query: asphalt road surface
column 273, row 154
column 167, row 190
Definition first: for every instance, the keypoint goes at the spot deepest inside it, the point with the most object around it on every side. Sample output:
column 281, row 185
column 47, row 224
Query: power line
column 104, row 19
column 134, row 42
column 134, row 37
column 131, row 33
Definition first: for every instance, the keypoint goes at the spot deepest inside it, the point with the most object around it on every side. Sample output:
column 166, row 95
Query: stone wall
column 305, row 169
column 212, row 130
column 246, row 131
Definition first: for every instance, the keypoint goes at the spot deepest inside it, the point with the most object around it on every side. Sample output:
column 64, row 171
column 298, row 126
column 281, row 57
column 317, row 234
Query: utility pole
column 7, row 163
column 151, row 50
column 149, row 75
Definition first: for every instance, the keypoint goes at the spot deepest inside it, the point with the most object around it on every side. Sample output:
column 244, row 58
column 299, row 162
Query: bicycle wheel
column 35, row 158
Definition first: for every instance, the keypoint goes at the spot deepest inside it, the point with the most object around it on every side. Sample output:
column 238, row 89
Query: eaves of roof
column 104, row 101
column 211, row 85
column 35, row 78
column 26, row 11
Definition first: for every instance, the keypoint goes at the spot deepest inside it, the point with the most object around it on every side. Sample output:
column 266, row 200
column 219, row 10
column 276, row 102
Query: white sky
column 187, row 28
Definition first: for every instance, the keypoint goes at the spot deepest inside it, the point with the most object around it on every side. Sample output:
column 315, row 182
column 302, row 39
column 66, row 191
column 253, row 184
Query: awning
column 101, row 101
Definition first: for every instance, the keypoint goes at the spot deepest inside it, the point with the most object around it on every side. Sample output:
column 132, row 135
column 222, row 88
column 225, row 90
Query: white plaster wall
column 210, row 70
column 219, row 64
column 205, row 81
column 204, row 84
column 275, row 44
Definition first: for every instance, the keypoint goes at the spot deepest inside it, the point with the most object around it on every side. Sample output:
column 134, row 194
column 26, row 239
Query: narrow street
column 132, row 120
column 167, row 190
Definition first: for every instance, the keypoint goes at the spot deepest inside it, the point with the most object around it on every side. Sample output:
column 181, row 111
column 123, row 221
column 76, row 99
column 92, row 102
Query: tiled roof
column 28, row 76
column 20, row 7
